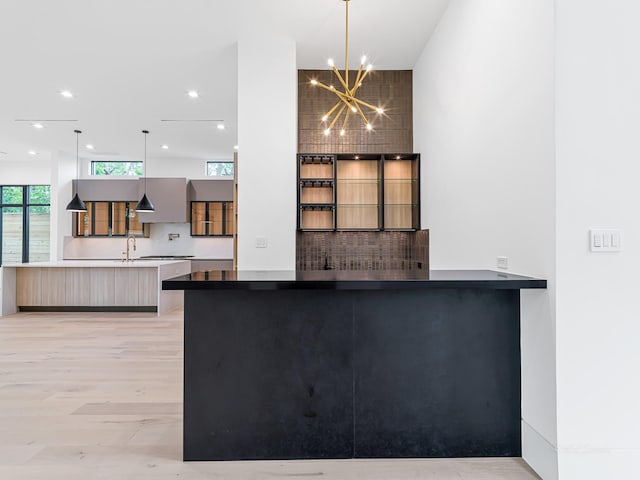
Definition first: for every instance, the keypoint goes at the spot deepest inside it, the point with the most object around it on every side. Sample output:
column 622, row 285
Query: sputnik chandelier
column 347, row 103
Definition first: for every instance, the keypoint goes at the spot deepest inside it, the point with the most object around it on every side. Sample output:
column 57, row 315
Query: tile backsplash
column 362, row 250
column 158, row 243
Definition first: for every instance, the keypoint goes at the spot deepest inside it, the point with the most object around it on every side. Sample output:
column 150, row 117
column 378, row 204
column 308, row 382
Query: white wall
column 37, row 172
column 267, row 136
column 598, row 317
column 484, row 124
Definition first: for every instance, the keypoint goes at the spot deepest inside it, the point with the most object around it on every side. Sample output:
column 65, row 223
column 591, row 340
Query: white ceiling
column 129, row 64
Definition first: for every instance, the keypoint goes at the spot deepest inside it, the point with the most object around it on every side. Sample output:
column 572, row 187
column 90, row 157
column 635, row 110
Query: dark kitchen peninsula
column 351, row 364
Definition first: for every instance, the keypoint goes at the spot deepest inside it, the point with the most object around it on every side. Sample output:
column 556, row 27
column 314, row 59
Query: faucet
column 127, row 253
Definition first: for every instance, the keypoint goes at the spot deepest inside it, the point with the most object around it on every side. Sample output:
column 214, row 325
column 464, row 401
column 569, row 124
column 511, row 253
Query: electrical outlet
column 502, row 262
column 261, row 242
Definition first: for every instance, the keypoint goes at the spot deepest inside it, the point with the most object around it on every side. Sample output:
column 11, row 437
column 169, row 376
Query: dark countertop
column 350, row 280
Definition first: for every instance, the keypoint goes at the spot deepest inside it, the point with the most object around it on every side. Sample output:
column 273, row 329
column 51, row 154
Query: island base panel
column 268, row 375
column 296, row 374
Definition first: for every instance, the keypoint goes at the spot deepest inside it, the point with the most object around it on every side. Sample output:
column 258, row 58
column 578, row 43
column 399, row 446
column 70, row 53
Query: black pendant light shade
column 77, row 205
column 145, row 205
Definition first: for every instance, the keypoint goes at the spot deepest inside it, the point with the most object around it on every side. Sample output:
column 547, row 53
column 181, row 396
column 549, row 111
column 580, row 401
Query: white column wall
column 63, row 171
column 267, row 137
column 484, row 124
column 598, row 326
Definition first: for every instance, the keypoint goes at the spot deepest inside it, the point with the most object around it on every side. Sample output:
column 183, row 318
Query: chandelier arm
column 337, row 117
column 328, row 114
column 365, row 104
column 364, row 117
column 358, row 80
column 346, row 117
column 337, row 72
column 326, row 87
column 364, row 75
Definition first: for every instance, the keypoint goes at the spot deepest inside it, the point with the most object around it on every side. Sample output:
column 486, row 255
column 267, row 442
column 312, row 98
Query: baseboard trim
column 539, row 453
column 80, row 308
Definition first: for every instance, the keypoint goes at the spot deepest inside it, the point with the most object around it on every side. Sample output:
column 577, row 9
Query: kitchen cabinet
column 316, row 192
column 109, row 219
column 100, row 285
column 169, row 197
column 107, row 189
column 359, row 192
column 212, row 208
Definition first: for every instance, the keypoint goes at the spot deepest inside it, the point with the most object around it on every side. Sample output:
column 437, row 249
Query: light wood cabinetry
column 359, row 192
column 86, row 287
column 109, row 219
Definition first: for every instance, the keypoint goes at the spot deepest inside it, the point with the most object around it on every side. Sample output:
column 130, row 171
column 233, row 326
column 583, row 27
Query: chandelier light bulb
column 354, row 109
column 314, row 81
column 369, row 126
column 342, row 132
column 331, row 63
column 332, row 87
column 369, row 67
column 379, row 110
column 327, row 132
column 363, row 59
column 324, row 119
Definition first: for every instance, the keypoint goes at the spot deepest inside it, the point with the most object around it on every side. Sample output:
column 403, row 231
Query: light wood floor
column 100, row 397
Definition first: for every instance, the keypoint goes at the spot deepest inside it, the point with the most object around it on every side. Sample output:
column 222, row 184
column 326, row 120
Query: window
column 211, row 219
column 24, row 223
column 109, row 219
column 220, row 169
column 121, row 169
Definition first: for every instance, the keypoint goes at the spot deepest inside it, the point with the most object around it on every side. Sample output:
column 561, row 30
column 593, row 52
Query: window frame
column 25, row 205
column 94, row 174
column 230, row 162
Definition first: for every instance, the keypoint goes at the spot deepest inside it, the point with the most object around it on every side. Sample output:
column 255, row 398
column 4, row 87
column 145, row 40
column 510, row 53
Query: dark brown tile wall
column 362, row 250
column 393, row 131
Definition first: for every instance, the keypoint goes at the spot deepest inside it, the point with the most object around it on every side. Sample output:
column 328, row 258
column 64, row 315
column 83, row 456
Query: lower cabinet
column 90, row 287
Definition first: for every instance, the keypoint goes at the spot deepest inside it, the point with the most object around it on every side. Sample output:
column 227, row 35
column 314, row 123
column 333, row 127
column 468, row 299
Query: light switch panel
column 604, row 240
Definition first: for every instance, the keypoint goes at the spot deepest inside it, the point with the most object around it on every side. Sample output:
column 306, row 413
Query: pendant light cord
column 145, row 160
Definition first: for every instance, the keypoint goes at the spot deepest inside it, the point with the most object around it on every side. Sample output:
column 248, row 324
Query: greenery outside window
column 24, row 223
column 211, row 219
column 120, row 169
column 109, row 219
column 220, row 169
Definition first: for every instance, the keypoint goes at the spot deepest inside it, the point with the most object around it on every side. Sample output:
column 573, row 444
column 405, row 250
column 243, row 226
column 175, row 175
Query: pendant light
column 348, row 101
column 145, row 205
column 77, row 205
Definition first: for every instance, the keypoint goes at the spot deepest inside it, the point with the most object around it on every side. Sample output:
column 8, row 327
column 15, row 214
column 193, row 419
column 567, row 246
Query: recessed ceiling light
column 193, row 94
column 165, row 147
column 32, row 152
column 221, row 126
column 89, row 147
column 235, row 147
column 66, row 94
column 37, row 126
